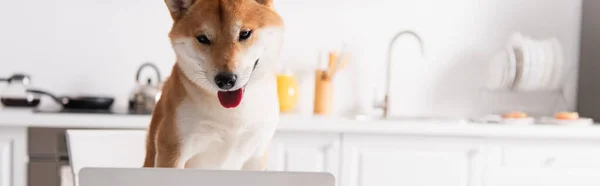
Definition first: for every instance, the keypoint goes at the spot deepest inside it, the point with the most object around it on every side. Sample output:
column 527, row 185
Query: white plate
column 535, row 69
column 528, row 60
column 512, row 68
column 518, row 46
column 544, row 61
column 577, row 122
column 537, row 65
column 520, row 121
column 487, row 119
column 548, row 65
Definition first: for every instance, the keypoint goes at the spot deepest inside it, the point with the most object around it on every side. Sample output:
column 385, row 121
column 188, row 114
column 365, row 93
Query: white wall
column 86, row 46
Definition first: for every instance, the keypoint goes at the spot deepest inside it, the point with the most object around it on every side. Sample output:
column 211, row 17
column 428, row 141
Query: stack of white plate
column 527, row 64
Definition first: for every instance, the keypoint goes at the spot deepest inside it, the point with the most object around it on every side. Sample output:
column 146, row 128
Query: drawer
column 567, row 157
column 47, row 142
column 44, row 174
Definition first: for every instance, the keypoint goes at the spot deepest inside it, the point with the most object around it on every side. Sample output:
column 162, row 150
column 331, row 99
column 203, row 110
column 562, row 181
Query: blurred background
column 501, row 90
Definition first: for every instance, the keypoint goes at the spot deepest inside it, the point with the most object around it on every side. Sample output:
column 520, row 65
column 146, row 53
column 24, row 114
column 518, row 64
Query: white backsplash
column 84, row 46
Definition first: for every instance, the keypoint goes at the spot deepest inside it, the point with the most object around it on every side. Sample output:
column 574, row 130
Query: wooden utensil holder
column 323, row 93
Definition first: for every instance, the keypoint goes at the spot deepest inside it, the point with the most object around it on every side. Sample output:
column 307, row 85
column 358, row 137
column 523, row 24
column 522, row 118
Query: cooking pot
column 15, row 94
column 147, row 92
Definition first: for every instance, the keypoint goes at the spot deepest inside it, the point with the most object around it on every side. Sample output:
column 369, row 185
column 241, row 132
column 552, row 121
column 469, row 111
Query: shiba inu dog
column 219, row 107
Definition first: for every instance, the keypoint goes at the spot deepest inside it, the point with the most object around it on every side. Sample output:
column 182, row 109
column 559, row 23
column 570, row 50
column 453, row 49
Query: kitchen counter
column 20, row 118
column 27, row 118
column 344, row 146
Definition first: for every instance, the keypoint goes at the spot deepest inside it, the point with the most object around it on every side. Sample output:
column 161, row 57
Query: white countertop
column 308, row 123
column 27, row 118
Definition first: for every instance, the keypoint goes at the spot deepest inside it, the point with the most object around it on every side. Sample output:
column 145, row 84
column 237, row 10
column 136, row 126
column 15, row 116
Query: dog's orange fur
column 223, row 14
column 189, row 21
column 162, row 122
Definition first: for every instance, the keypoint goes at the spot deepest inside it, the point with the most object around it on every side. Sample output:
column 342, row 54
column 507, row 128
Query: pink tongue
column 231, row 99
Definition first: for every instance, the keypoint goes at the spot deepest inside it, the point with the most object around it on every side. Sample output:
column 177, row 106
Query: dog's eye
column 203, row 39
column 245, row 35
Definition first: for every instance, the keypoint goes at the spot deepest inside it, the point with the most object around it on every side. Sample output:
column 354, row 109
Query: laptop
column 199, row 177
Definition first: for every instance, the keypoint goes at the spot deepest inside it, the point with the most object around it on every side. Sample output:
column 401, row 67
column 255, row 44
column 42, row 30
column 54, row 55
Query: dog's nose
column 225, row 80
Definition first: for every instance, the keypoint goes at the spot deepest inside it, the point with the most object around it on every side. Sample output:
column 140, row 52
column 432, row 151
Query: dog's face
column 221, row 44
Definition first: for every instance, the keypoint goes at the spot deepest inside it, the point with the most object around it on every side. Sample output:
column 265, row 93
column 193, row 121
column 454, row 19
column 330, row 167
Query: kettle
column 146, row 93
column 15, row 94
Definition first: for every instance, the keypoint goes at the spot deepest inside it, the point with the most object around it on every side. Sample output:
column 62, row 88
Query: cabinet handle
column 550, row 161
column 472, row 153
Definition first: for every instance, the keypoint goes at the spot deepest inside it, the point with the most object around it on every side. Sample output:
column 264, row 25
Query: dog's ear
column 178, row 7
column 268, row 3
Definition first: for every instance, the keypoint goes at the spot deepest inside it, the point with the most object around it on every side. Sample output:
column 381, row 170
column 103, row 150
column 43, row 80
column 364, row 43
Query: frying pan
column 79, row 102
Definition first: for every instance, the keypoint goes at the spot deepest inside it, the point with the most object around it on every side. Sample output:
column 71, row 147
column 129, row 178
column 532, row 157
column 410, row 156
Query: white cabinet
column 299, row 151
column 395, row 160
column 541, row 177
column 13, row 157
column 384, row 158
column 5, row 161
column 543, row 163
column 369, row 159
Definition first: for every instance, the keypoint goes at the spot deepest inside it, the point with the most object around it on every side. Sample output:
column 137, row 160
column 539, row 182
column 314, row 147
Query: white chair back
column 105, row 148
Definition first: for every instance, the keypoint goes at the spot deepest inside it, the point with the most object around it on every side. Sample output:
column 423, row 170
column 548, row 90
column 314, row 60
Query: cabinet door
column 5, row 162
column 13, row 157
column 397, row 160
column 543, row 163
column 541, row 177
column 312, row 152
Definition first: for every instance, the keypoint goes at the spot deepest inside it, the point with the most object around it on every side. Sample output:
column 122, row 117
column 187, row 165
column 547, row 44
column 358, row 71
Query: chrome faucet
column 385, row 104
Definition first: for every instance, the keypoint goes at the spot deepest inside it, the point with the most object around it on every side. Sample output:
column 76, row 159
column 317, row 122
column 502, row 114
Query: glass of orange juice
column 287, row 91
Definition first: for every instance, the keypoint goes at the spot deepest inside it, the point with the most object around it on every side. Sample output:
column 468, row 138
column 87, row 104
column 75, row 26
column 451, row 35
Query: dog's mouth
column 233, row 98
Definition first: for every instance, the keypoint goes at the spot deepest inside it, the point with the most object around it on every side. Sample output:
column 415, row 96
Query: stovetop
column 89, row 111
